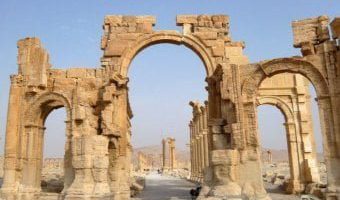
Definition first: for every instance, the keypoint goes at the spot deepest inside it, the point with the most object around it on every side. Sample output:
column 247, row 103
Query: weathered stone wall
column 320, row 65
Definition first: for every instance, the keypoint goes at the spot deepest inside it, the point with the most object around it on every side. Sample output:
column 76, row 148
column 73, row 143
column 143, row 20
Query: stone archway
column 33, row 139
column 100, row 114
column 293, row 137
column 283, row 65
column 162, row 37
column 250, row 86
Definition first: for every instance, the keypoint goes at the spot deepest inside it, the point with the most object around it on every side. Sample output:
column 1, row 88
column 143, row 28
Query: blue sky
column 71, row 31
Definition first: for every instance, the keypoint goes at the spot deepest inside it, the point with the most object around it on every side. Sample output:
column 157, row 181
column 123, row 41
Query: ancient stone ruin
column 169, row 154
column 98, row 149
column 289, row 93
column 145, row 162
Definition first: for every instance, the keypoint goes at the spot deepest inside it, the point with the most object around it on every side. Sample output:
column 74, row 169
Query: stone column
column 205, row 136
column 83, row 183
column 269, row 157
column 68, row 168
column 191, row 150
column 198, row 158
column 332, row 161
column 199, row 143
column 169, row 153
column 11, row 179
column 193, row 164
column 171, row 142
column 201, row 139
column 113, row 170
column 164, row 167
column 31, row 175
column 294, row 159
column 309, row 165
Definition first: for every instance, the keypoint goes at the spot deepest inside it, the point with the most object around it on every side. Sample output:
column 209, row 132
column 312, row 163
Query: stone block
column 56, row 73
column 115, row 47
column 146, row 19
column 218, row 50
column 128, row 36
column 33, row 61
column 220, row 18
column 335, row 27
column 113, row 19
column 90, row 73
column 76, row 73
column 79, row 113
column 314, row 30
column 206, row 35
column 99, row 73
column 144, row 28
column 129, row 19
column 228, row 157
column 100, row 162
column 186, row 19
column 82, row 162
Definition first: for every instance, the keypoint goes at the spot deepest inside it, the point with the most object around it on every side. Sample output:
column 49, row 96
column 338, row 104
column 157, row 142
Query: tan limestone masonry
column 226, row 148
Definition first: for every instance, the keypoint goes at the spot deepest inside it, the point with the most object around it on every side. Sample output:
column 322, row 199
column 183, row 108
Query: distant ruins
column 168, row 154
column 226, row 147
column 145, row 162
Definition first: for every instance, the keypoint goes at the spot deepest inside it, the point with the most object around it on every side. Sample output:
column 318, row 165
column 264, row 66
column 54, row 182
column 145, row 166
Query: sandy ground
column 277, row 194
column 160, row 187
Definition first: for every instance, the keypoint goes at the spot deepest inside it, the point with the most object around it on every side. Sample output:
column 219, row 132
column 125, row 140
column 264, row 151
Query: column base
column 294, row 187
column 231, row 191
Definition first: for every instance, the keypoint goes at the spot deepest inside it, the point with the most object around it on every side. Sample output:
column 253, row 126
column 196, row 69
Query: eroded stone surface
column 98, row 149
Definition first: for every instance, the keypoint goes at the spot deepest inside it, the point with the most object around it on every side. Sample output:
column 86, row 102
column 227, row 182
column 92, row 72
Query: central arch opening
column 163, row 79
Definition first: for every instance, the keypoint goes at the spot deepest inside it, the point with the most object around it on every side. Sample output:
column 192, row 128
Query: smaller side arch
column 43, row 105
column 32, row 140
column 281, row 65
column 278, row 103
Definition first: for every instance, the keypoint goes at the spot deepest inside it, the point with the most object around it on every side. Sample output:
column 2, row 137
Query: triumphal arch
column 98, row 149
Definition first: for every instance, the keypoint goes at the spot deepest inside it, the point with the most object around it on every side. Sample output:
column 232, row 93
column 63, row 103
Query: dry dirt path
column 276, row 194
column 160, row 187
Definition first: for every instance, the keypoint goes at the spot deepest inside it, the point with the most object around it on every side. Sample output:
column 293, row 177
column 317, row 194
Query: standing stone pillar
column 172, row 156
column 205, row 136
column 224, row 164
column 114, row 168
column 83, row 183
column 199, row 157
column 192, row 159
column 295, row 158
column 201, row 139
column 269, row 157
column 31, row 175
column 331, row 156
column 11, row 179
column 302, row 102
column 164, row 167
column 68, row 168
column 169, row 153
column 196, row 153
